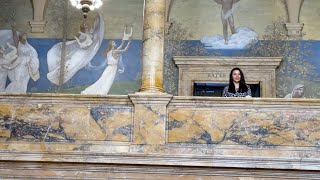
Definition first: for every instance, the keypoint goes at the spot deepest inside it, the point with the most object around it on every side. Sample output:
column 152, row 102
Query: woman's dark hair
column 242, row 87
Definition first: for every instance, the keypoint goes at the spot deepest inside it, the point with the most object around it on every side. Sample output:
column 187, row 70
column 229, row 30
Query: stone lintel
column 210, row 61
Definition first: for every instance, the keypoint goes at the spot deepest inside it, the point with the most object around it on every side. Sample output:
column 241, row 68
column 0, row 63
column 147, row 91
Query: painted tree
column 176, row 44
column 295, row 53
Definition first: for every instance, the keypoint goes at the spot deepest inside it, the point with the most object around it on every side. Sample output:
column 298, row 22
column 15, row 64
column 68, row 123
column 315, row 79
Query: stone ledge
column 243, row 103
column 292, row 159
column 34, row 170
column 54, row 98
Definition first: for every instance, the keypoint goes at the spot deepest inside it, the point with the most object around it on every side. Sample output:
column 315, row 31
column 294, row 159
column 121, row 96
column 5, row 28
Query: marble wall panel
column 65, row 123
column 250, row 128
column 5, row 122
column 116, row 122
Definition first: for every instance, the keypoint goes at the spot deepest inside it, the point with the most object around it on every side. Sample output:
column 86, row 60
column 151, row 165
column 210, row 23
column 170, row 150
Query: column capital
column 37, row 26
column 294, row 30
column 38, row 23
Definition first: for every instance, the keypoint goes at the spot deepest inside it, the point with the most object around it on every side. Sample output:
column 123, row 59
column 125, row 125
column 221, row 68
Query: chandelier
column 86, row 5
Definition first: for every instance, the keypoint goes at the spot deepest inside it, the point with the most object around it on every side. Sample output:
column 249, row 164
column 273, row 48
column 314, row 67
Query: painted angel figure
column 227, row 17
column 79, row 53
column 113, row 53
column 85, row 38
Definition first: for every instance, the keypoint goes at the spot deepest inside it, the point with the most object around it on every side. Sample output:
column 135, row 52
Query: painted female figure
column 113, row 53
column 297, row 92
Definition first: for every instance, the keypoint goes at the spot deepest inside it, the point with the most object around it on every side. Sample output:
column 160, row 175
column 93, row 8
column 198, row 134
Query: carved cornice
column 210, row 61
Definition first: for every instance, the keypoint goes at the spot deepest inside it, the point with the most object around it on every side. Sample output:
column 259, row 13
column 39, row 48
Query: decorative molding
column 166, row 159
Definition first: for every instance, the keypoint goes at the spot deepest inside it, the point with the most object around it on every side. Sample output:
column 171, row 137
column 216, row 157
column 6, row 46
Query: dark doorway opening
column 216, row 89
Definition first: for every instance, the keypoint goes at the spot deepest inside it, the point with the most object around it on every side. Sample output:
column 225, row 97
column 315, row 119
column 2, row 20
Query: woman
column 297, row 92
column 237, row 85
column 104, row 83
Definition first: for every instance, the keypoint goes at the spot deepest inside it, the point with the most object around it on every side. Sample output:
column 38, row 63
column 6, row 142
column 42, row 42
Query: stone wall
column 199, row 132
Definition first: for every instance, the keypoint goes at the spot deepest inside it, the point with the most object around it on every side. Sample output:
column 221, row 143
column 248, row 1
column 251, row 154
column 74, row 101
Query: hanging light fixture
column 86, row 5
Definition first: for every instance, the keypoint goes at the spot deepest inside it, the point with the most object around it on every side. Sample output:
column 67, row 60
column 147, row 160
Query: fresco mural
column 298, row 74
column 79, row 64
column 113, row 53
column 36, row 64
column 19, row 62
column 78, row 53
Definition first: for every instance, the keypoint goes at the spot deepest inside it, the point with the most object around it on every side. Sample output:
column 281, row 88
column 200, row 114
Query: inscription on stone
column 217, row 75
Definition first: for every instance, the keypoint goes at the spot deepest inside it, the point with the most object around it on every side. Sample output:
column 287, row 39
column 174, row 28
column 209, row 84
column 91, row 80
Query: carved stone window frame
column 211, row 69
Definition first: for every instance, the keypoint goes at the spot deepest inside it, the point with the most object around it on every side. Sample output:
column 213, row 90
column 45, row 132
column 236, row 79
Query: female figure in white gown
column 104, row 83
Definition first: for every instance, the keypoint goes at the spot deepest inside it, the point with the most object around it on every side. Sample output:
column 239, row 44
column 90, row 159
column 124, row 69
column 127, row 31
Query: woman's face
column 23, row 38
column 113, row 44
column 298, row 93
column 236, row 76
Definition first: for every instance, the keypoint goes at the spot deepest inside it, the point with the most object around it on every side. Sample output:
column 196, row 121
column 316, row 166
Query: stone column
column 38, row 23
column 153, row 46
column 150, row 117
column 294, row 27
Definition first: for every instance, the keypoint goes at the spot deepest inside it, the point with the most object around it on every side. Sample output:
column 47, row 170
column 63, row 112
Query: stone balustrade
column 209, row 132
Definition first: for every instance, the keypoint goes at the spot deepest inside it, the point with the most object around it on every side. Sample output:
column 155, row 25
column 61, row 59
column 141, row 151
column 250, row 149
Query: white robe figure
column 20, row 71
column 84, row 40
column 76, row 57
column 297, row 92
column 10, row 53
column 7, row 57
column 5, row 38
column 104, row 83
column 3, row 72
